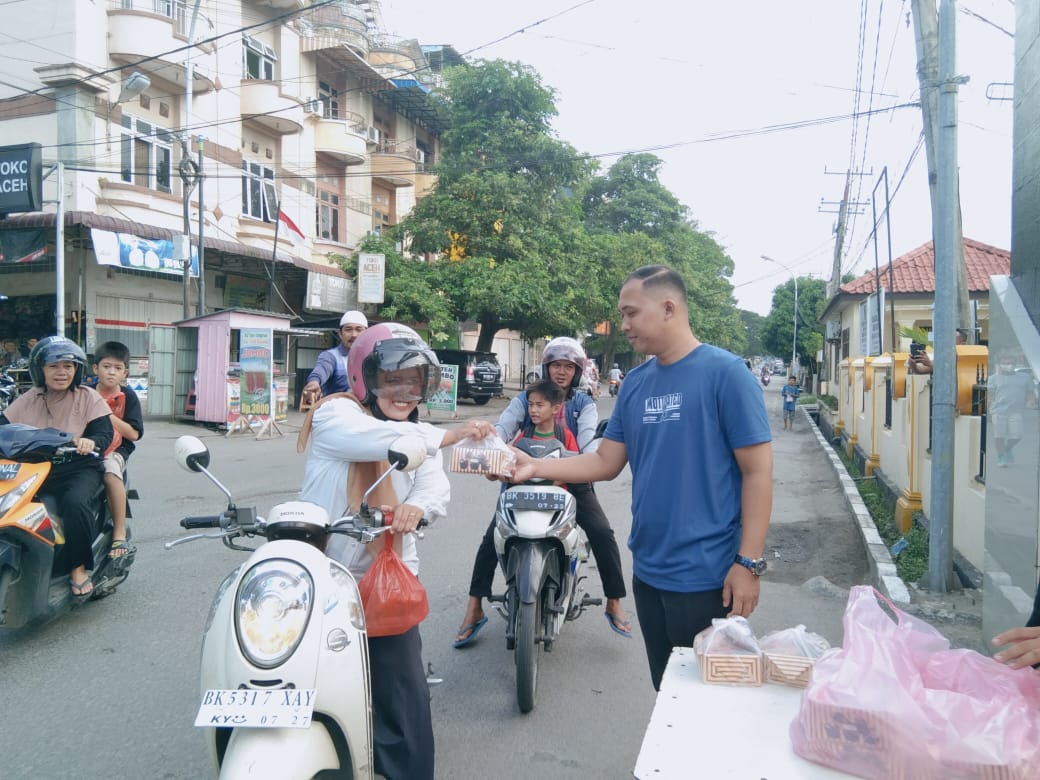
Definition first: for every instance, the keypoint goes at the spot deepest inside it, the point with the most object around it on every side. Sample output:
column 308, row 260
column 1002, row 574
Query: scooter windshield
column 26, row 443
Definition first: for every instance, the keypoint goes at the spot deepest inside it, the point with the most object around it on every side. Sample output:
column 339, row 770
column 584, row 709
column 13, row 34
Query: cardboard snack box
column 480, row 460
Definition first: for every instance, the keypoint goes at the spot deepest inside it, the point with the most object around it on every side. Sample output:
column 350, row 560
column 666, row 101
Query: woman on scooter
column 59, row 400
column 562, row 362
column 391, row 371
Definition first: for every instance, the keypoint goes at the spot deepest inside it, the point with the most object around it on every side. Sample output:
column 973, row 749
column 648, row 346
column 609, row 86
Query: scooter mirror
column 407, row 453
column 191, row 453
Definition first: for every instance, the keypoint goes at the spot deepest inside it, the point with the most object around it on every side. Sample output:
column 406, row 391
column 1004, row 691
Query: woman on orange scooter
column 59, row 400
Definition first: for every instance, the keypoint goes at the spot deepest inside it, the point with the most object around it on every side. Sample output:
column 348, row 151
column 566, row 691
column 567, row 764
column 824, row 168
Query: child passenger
column 544, row 399
column 111, row 365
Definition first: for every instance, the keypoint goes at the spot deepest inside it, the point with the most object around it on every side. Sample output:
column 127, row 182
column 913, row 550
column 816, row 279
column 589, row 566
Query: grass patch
column 912, row 561
column 830, row 401
column 806, row 399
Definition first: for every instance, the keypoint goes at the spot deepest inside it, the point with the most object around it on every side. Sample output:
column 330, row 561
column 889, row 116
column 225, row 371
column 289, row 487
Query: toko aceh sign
column 21, row 179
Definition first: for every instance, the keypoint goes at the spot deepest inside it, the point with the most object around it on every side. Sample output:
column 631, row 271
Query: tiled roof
column 914, row 272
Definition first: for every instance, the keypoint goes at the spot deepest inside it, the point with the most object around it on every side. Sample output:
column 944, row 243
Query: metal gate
column 162, row 350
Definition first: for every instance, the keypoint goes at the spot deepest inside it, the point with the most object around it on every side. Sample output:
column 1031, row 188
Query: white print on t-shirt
column 662, row 408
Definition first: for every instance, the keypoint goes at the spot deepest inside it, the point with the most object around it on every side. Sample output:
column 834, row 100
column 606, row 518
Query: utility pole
column 946, row 224
column 188, row 168
column 926, row 38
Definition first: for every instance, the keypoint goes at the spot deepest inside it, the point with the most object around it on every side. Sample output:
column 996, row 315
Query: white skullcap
column 353, row 318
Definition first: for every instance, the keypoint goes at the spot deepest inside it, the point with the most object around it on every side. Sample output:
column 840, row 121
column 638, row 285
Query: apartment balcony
column 394, row 163
column 262, row 102
column 342, row 139
column 331, row 27
column 137, row 32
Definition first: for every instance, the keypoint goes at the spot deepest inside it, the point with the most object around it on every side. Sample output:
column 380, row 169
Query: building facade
column 211, row 118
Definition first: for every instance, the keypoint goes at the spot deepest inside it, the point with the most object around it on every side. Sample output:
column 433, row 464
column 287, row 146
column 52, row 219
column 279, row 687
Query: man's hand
column 1024, row 647
column 523, row 469
column 740, row 591
column 921, row 363
column 84, row 446
column 311, row 392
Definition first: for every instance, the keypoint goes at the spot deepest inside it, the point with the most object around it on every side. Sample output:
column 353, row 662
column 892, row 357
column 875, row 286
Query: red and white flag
column 291, row 230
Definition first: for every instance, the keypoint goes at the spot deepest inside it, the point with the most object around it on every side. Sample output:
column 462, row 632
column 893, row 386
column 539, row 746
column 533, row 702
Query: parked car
column 480, row 375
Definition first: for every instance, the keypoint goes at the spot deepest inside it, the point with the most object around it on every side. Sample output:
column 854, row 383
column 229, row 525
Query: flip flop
column 617, row 626
column 82, row 589
column 474, row 629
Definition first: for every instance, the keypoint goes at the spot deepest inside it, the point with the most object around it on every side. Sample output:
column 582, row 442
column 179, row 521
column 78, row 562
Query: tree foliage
column 777, row 330
column 501, row 223
column 630, row 200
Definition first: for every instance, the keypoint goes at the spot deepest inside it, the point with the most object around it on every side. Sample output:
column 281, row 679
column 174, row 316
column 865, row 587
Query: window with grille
column 259, row 199
column 145, row 154
column 258, row 59
column 329, row 97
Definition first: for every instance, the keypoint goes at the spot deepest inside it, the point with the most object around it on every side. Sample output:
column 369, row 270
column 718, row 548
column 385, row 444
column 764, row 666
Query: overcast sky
column 708, row 86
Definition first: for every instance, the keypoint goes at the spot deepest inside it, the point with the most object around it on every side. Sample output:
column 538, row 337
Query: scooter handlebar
column 202, row 521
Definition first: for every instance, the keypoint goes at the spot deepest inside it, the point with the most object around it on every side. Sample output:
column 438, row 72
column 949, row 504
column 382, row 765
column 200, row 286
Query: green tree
column 753, row 323
column 409, row 294
column 630, row 200
column 777, row 330
column 502, row 225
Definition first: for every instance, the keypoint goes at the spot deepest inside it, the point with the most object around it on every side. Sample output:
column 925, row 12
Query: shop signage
column 254, row 379
column 140, row 254
column 21, row 178
column 371, row 275
column 326, row 292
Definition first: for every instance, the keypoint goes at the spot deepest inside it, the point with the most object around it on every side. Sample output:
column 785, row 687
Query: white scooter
column 285, row 687
column 542, row 551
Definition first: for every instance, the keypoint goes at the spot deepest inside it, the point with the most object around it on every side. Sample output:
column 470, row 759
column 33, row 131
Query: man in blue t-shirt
column 692, row 425
column 329, row 374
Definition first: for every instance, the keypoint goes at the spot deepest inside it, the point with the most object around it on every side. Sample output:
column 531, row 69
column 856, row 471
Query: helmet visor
column 405, row 370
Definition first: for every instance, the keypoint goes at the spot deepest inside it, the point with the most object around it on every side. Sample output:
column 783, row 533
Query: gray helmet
column 564, row 348
column 56, row 349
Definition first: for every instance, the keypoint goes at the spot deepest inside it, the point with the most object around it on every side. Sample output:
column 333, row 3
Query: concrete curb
column 882, row 567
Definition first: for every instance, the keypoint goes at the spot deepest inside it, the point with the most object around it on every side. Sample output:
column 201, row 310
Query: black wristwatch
column 755, row 566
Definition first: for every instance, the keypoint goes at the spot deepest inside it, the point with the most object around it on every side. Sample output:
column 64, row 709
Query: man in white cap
column 329, row 374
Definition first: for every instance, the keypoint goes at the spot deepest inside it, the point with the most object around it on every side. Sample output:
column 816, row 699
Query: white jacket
column 343, row 433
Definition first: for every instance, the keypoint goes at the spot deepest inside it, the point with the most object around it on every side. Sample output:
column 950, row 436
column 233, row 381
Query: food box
column 721, row 669
column 793, row 670
column 480, row 460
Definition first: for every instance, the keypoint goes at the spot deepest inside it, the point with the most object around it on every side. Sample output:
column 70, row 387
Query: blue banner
column 140, row 254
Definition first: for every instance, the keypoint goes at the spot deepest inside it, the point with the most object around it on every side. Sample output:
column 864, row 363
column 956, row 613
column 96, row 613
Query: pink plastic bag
column 896, row 702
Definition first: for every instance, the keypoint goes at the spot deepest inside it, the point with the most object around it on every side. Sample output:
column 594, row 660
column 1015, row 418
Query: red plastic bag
column 896, row 702
column 393, row 597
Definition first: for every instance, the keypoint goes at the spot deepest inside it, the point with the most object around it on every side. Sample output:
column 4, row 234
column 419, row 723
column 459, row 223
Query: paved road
column 109, row 691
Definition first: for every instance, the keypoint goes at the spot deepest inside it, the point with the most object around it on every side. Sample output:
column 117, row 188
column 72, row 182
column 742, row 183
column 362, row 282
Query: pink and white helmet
column 389, row 346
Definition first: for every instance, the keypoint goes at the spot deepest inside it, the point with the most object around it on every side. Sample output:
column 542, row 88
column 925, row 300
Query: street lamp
column 794, row 340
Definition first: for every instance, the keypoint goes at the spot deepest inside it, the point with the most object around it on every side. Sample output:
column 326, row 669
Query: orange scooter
column 31, row 534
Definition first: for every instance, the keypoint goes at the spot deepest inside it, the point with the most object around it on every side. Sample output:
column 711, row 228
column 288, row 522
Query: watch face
column 759, row 567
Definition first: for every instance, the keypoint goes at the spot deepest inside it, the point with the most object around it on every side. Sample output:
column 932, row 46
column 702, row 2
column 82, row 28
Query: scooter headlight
column 11, row 498
column 271, row 611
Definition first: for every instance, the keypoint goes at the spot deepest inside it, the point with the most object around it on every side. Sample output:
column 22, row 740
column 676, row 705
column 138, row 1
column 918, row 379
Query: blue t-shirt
column 790, row 396
column 680, row 424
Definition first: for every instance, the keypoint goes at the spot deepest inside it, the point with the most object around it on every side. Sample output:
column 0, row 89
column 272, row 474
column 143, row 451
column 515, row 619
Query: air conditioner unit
column 312, row 106
column 373, row 135
column 420, row 156
column 833, row 330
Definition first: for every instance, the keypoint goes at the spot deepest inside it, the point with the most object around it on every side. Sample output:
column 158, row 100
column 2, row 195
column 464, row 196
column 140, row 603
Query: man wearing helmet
column 391, row 371
column 329, row 374
column 562, row 361
column 60, row 400
column 692, row 425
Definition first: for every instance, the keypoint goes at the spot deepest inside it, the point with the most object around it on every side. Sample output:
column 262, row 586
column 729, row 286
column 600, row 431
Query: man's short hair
column 659, row 277
column 115, row 350
column 547, row 389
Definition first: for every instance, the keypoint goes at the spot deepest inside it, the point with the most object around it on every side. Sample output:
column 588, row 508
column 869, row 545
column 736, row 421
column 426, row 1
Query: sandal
column 119, row 549
column 81, row 589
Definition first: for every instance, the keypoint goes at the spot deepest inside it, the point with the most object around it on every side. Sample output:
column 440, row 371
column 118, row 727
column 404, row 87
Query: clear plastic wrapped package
column 489, row 456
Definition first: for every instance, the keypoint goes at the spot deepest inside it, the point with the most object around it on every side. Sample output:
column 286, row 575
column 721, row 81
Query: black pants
column 668, row 619
column 597, row 528
column 401, row 722
column 73, row 491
